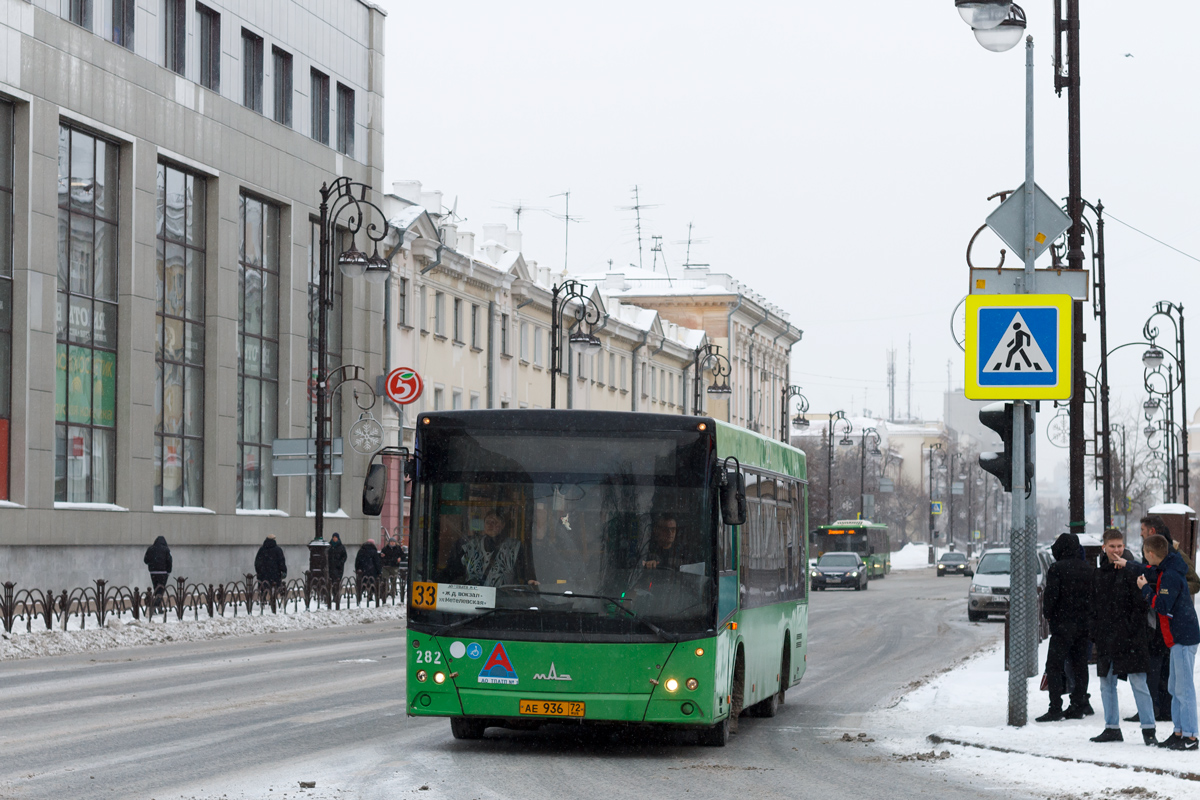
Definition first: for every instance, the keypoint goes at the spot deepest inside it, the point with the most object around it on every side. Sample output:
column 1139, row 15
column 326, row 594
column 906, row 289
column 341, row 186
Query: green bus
column 869, row 539
column 604, row 567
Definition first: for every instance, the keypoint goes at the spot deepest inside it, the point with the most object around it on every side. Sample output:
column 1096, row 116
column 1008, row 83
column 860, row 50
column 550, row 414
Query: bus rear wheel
column 467, row 728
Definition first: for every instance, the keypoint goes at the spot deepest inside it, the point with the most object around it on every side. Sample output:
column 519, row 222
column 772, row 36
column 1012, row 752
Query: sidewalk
column 127, row 632
column 961, row 717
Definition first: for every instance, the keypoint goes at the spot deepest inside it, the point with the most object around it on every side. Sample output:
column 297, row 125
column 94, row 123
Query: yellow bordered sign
column 1018, row 347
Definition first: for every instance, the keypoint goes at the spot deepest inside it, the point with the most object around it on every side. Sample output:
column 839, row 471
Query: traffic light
column 999, row 417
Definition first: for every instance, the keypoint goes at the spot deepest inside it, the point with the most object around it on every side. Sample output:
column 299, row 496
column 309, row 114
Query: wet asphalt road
column 252, row 717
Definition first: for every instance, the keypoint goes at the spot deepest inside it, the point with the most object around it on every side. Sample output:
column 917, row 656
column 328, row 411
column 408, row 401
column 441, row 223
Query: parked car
column 953, row 563
column 840, row 570
column 989, row 591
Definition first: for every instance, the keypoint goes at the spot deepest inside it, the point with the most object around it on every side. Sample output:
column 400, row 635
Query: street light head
column 720, row 388
column 1150, row 407
column 1152, row 359
column 1006, row 35
column 1150, row 430
column 800, row 421
column 875, row 451
column 353, row 262
column 846, row 441
column 583, row 343
column 983, row 14
column 378, row 269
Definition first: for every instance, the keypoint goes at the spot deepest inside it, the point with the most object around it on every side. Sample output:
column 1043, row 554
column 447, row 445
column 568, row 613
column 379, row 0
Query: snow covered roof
column 1171, row 508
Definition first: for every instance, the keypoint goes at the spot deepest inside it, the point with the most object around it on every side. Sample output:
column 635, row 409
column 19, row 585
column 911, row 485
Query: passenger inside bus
column 487, row 555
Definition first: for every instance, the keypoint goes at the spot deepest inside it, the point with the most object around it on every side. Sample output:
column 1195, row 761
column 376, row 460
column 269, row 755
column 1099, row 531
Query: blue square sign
column 1018, row 347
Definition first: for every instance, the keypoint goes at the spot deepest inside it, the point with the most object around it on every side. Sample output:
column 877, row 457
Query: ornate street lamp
column 341, row 209
column 709, row 356
column 582, row 339
column 983, row 14
column 862, row 464
column 835, row 419
column 799, row 421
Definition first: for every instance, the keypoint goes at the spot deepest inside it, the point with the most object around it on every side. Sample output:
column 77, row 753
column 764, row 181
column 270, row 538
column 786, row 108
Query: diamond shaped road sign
column 1008, row 221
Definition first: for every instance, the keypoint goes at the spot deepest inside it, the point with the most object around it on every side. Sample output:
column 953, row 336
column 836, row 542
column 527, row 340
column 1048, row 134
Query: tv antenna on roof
column 656, row 248
column 567, row 220
column 520, row 208
column 687, row 261
column 636, row 208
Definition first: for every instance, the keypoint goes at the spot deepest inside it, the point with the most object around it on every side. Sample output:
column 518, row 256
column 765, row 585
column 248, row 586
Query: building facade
column 160, row 163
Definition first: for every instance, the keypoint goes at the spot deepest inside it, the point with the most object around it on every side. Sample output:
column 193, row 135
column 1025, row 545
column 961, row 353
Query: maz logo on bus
column 429, row 657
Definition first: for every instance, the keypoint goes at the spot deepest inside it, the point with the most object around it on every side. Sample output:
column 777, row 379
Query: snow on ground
column 128, row 632
column 968, row 705
column 913, row 556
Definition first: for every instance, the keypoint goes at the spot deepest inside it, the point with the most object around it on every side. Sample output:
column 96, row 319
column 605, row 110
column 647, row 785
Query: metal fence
column 101, row 601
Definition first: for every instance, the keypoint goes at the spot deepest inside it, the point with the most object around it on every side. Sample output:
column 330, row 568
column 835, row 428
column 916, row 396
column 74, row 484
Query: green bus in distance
column 579, row 566
column 869, row 539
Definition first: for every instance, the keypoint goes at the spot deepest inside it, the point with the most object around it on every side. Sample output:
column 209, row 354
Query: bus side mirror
column 733, row 498
column 373, row 490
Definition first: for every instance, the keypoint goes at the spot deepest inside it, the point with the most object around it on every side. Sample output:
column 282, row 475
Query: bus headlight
column 421, row 675
column 672, row 685
column 692, row 683
column 439, row 677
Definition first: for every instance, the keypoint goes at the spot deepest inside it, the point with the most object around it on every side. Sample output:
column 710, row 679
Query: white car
column 990, row 584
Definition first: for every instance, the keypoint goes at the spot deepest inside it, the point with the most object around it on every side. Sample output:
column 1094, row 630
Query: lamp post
column 1173, row 313
column 341, row 208
column 836, row 418
column 799, row 421
column 709, row 356
column 862, row 464
column 582, row 342
column 935, row 447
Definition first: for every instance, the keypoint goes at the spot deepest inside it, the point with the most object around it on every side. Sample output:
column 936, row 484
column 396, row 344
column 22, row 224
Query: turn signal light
column 692, row 683
column 672, row 685
column 699, row 651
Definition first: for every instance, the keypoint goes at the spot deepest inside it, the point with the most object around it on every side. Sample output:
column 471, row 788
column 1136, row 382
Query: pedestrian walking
column 1122, row 639
column 337, row 561
column 1067, row 605
column 1158, row 673
column 270, row 565
column 1165, row 588
column 158, row 561
column 391, row 555
column 368, row 565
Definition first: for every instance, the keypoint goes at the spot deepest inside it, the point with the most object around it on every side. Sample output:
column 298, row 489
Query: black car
column 839, row 570
column 953, row 563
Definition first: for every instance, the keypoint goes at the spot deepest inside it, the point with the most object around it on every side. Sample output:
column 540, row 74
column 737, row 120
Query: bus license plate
column 551, row 708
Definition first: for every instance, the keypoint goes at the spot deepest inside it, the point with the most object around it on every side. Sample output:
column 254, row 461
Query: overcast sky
column 834, row 156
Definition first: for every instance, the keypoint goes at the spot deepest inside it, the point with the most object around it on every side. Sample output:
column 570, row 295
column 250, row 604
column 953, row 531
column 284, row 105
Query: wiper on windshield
column 666, row 637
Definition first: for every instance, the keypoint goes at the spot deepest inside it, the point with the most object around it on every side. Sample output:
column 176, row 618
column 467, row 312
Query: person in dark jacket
column 368, row 560
column 337, row 560
column 1165, row 589
column 1122, row 640
column 158, row 561
column 270, row 564
column 1067, row 606
column 391, row 555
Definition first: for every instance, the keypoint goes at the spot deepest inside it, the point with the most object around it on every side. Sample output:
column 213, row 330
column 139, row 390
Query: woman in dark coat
column 337, row 559
column 1121, row 634
column 158, row 561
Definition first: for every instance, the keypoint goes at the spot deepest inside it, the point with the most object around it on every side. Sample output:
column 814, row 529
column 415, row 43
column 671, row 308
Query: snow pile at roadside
column 911, row 556
column 127, row 632
column 969, row 704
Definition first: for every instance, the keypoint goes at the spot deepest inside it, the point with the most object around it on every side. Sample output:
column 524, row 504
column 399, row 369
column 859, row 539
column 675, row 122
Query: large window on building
column 122, row 22
column 179, row 342
column 174, row 35
column 252, row 71
column 281, row 77
column 258, row 351
column 333, row 330
column 85, row 403
column 209, row 23
column 6, row 310
column 319, row 97
column 80, row 12
column 345, row 133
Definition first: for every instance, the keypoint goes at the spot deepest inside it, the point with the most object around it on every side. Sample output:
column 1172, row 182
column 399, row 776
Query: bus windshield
column 589, row 535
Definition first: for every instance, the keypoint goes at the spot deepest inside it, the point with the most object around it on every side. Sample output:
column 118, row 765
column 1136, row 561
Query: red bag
column 1045, row 685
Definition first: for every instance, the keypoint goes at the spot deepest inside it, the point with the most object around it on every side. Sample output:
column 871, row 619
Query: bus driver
column 664, row 551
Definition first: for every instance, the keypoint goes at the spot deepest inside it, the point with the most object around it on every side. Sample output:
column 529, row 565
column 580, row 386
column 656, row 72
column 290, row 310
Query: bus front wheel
column 467, row 728
column 717, row 735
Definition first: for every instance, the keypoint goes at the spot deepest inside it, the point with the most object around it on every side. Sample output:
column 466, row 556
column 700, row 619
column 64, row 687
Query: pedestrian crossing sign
column 1018, row 347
